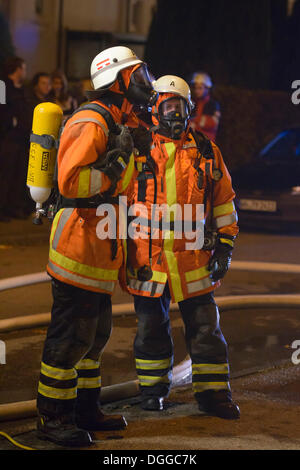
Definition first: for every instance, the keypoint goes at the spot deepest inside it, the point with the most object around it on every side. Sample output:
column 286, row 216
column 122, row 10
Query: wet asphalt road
column 258, row 339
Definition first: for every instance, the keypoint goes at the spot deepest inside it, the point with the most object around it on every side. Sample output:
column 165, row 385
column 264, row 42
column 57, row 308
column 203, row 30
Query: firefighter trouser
column 80, row 328
column 205, row 343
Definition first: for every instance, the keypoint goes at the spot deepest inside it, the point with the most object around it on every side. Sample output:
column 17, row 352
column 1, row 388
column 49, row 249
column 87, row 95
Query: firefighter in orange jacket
column 206, row 115
column 184, row 169
column 84, row 268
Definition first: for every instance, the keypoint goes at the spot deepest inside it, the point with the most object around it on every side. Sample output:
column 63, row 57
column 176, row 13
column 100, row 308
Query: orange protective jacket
column 177, row 183
column 207, row 117
column 77, row 255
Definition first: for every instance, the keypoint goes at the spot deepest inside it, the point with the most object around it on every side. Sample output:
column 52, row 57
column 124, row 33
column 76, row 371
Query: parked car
column 268, row 188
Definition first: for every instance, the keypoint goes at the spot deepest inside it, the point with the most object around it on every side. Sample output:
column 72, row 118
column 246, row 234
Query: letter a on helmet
column 176, row 85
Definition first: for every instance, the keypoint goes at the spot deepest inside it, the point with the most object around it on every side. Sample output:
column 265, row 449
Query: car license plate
column 257, row 205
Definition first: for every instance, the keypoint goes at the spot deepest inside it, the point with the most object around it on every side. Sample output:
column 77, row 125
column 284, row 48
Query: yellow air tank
column 47, row 119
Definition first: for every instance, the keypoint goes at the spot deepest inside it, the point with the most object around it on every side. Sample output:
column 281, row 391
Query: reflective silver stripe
column 130, row 60
column 158, row 364
column 146, row 286
column 199, row 369
column 66, row 214
column 226, row 220
column 148, row 380
column 199, row 285
column 96, row 181
column 87, row 364
column 187, row 146
column 88, row 119
column 58, row 374
column 104, row 285
column 89, row 382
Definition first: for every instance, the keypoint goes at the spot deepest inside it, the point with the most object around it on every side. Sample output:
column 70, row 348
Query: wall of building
column 34, row 24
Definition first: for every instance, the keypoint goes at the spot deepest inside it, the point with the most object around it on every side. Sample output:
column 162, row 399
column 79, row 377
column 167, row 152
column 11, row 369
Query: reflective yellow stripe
column 128, row 173
column 54, row 225
column 83, row 269
column 169, row 240
column 171, row 176
column 225, row 240
column 66, row 214
column 173, row 269
column 89, row 382
column 202, row 386
column 223, row 209
column 85, row 364
column 149, row 380
column 210, row 369
column 56, row 373
column 101, row 285
column 84, row 182
column 197, row 274
column 57, row 393
column 157, row 364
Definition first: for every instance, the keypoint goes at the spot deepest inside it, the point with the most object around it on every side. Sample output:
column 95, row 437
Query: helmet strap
column 121, row 82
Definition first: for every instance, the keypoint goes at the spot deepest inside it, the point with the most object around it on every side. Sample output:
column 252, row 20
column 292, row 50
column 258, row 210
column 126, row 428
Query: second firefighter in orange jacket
column 182, row 168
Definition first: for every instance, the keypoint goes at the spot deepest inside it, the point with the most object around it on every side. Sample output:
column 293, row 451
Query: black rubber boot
column 88, row 414
column 62, row 430
column 218, row 403
column 153, row 403
column 100, row 422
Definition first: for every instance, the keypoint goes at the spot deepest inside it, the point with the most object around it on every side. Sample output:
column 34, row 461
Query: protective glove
column 114, row 163
column 142, row 140
column 124, row 140
column 220, row 261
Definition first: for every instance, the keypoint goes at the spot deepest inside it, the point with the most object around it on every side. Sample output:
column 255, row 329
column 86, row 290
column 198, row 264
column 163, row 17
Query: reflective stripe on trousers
column 153, row 372
column 88, row 374
column 57, row 383
column 210, row 377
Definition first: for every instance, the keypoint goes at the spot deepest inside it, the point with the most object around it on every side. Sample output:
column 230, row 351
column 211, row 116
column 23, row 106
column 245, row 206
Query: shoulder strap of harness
column 96, row 107
column 205, row 148
column 203, row 144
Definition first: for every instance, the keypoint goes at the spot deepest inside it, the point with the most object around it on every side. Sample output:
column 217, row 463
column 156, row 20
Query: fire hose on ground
column 25, row 409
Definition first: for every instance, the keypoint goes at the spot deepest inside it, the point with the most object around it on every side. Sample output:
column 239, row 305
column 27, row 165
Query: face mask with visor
column 173, row 114
column 140, row 91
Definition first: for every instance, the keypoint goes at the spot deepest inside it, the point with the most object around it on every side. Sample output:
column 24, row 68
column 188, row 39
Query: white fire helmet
column 106, row 65
column 201, row 78
column 176, row 85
